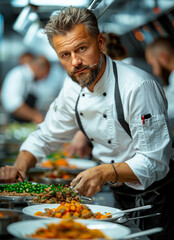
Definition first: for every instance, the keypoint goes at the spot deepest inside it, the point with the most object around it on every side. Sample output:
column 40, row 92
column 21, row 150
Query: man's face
column 157, row 67
column 77, row 50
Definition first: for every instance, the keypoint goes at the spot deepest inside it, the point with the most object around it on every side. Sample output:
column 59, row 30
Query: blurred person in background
column 25, row 58
column 115, row 49
column 17, row 95
column 160, row 55
column 48, row 89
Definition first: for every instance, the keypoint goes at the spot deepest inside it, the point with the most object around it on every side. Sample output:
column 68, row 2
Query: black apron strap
column 79, row 122
column 119, row 106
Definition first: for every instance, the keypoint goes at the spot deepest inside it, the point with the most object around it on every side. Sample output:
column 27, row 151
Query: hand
column 9, row 174
column 90, row 181
column 38, row 117
column 79, row 146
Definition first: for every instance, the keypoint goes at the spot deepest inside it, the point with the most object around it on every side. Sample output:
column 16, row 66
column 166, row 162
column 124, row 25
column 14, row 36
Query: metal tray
column 15, row 199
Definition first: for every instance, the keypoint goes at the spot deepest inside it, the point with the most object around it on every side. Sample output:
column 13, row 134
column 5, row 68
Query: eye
column 65, row 55
column 82, row 49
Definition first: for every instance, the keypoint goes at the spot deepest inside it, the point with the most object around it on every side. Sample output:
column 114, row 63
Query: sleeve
column 59, row 125
column 151, row 138
column 13, row 91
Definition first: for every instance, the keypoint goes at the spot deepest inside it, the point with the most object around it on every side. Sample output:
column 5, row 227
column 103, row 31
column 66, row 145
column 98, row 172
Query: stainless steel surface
column 10, row 216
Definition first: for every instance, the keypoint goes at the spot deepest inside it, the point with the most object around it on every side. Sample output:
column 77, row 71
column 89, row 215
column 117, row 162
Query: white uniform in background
column 46, row 91
column 147, row 152
column 17, row 84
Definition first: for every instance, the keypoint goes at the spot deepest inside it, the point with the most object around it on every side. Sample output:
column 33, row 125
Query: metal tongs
column 81, row 196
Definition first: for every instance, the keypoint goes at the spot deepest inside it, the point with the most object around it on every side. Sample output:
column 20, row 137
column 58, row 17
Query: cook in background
column 140, row 146
column 160, row 55
column 115, row 49
column 26, row 57
column 17, row 95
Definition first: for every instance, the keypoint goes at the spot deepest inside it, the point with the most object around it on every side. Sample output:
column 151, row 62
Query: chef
column 17, row 95
column 121, row 109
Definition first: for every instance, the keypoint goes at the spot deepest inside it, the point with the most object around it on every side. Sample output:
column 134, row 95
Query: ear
column 101, row 42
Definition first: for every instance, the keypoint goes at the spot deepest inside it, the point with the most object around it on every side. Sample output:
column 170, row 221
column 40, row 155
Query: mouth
column 81, row 70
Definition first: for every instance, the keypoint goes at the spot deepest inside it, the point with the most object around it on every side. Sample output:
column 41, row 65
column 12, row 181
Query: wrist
column 107, row 172
column 25, row 161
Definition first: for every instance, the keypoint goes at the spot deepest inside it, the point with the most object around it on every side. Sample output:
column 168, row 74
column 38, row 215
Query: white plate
column 31, row 210
column 80, row 163
column 23, row 228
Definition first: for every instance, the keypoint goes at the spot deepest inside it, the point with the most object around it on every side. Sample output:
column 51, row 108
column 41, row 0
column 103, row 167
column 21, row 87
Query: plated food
column 40, row 193
column 68, row 230
column 22, row 189
column 72, row 210
column 55, row 176
column 51, row 163
column 71, row 165
column 39, row 227
column 2, row 215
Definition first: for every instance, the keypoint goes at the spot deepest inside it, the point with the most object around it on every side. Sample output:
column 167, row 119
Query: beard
column 164, row 75
column 87, row 81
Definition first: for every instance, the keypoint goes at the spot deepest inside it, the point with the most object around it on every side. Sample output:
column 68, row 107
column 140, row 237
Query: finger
column 81, row 187
column 90, row 191
column 9, row 174
column 71, row 151
column 75, row 181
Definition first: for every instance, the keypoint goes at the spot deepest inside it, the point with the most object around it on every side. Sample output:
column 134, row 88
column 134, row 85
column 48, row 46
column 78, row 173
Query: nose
column 76, row 61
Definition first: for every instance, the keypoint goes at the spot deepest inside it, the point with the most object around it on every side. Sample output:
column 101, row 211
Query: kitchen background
column 138, row 22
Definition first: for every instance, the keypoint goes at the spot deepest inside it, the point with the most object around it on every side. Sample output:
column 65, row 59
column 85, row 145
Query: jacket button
column 81, row 114
column 104, row 94
column 92, row 139
column 104, row 115
column 83, row 94
column 109, row 141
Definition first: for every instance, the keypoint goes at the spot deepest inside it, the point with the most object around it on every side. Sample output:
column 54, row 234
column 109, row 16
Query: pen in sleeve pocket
column 145, row 116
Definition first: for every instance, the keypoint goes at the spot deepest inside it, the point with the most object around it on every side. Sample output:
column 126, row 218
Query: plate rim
column 43, row 222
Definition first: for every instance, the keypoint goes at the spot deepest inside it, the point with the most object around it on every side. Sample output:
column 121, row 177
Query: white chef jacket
column 169, row 91
column 147, row 152
column 17, row 84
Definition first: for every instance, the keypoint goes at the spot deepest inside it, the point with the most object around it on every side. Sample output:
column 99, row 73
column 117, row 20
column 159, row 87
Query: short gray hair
column 66, row 20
